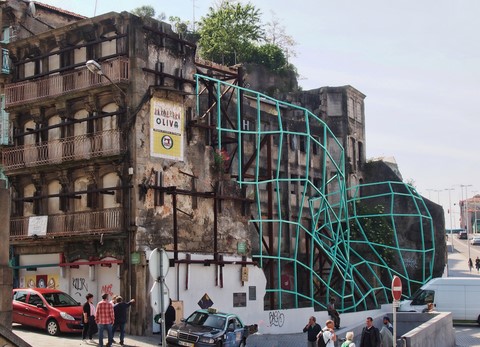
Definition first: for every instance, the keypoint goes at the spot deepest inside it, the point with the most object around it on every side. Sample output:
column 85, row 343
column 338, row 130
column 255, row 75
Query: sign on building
column 37, row 225
column 166, row 129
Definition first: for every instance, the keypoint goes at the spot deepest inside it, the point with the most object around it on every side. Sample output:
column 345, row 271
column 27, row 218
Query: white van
column 459, row 295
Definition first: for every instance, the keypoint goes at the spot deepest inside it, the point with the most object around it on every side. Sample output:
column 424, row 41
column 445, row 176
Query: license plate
column 186, row 344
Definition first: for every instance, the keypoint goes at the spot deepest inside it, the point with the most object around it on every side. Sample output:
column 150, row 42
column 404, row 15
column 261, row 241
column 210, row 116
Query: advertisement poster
column 166, row 129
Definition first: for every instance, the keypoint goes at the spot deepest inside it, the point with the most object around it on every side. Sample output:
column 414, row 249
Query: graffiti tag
column 80, row 284
column 277, row 318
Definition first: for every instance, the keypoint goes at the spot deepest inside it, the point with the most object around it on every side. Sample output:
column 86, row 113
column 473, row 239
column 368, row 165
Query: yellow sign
column 166, row 129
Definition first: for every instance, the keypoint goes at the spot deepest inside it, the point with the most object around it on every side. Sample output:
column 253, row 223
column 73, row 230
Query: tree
column 269, row 55
column 228, row 33
column 147, row 11
column 276, row 35
column 178, row 25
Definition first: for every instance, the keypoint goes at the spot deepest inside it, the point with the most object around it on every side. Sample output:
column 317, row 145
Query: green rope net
column 317, row 238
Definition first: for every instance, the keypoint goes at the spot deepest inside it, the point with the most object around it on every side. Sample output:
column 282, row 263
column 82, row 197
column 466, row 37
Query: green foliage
column 179, row 26
column 376, row 230
column 228, row 33
column 147, row 11
column 268, row 55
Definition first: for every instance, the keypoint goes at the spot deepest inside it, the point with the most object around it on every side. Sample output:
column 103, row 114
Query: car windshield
column 60, row 299
column 207, row 320
column 423, row 297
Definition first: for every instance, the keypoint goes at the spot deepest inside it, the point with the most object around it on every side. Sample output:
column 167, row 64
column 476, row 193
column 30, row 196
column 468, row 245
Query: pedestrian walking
column 470, row 264
column 105, row 317
column 312, row 329
column 477, row 264
column 120, row 310
column 370, row 335
column 386, row 336
column 388, row 324
column 89, row 325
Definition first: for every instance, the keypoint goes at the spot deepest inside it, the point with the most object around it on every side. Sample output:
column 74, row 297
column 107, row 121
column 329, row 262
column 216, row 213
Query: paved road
column 466, row 335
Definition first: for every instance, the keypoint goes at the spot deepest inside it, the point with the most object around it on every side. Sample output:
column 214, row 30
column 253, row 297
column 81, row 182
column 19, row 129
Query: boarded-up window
column 92, row 196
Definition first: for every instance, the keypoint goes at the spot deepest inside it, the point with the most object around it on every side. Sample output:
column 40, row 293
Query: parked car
column 205, row 328
column 48, row 309
column 462, row 235
column 475, row 240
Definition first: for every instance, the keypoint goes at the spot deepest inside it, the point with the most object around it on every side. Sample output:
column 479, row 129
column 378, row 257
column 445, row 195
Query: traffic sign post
column 396, row 294
column 158, row 265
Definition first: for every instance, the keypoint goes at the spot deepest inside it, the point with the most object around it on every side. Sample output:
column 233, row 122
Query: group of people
column 371, row 336
column 477, row 264
column 107, row 315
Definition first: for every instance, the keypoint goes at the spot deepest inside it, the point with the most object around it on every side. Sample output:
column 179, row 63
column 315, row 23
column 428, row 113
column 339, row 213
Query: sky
column 417, row 62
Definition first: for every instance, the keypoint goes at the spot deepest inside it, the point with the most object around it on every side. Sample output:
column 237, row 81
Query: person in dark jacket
column 370, row 335
column 170, row 317
column 312, row 329
column 120, row 309
column 89, row 325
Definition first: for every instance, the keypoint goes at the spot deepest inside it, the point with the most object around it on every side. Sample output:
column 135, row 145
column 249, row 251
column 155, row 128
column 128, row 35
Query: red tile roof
column 60, row 10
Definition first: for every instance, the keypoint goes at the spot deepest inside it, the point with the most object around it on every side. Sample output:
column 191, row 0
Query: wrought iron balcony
column 70, row 224
column 62, row 83
column 82, row 147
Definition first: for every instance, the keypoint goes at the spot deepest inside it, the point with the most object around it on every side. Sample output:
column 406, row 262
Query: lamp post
column 96, row 68
column 450, row 213
column 465, row 213
column 475, row 212
column 438, row 194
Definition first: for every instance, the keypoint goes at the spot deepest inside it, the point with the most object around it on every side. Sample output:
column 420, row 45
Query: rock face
column 415, row 226
column 409, row 233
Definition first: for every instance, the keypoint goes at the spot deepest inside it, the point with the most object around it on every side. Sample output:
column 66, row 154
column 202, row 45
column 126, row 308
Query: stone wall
column 5, row 270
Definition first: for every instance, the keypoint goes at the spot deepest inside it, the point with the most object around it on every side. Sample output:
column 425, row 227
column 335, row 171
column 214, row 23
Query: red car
column 48, row 309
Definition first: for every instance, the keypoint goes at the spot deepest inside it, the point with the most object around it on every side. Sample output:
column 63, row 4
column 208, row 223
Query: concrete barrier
column 430, row 329
column 415, row 329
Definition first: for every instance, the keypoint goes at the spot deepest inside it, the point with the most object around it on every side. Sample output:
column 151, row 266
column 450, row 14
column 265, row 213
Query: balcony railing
column 76, row 223
column 82, row 147
column 62, row 83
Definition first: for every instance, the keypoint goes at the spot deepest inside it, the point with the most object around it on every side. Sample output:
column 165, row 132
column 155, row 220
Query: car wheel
column 52, row 327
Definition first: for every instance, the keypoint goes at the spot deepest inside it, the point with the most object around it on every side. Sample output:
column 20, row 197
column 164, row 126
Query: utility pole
column 465, row 213
column 475, row 212
column 450, row 213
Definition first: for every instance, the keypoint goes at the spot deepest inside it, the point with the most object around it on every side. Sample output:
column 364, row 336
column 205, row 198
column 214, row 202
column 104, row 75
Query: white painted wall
column 201, row 280
column 76, row 282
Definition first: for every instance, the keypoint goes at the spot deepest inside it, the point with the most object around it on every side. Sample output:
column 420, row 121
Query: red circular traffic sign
column 396, row 288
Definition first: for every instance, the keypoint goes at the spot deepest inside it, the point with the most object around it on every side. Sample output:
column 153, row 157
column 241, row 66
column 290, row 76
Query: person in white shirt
column 328, row 334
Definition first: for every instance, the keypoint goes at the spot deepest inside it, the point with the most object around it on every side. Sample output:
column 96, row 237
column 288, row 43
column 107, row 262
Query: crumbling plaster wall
column 195, row 215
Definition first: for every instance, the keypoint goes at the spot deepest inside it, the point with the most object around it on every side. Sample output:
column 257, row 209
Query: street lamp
column 475, row 212
column 96, row 68
column 465, row 214
column 450, row 212
column 438, row 194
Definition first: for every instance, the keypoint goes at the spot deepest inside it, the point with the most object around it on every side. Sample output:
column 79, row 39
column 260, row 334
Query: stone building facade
column 155, row 148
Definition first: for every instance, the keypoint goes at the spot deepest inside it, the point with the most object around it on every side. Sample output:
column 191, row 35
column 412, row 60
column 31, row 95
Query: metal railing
column 84, row 222
column 82, row 147
column 62, row 83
